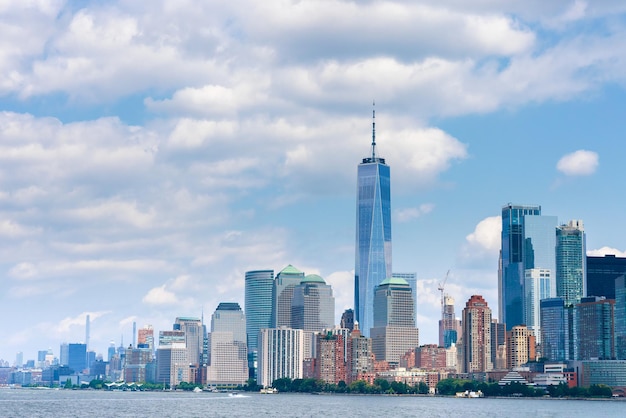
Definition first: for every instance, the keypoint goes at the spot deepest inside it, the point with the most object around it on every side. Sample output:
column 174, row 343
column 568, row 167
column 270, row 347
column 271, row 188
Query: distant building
column 373, row 234
column 571, row 260
column 476, row 344
column 282, row 294
column 556, row 330
column 312, row 305
column 228, row 353
column 601, row 275
column 594, row 336
column 281, row 354
column 520, row 346
column 394, row 331
column 258, row 308
column 347, row 319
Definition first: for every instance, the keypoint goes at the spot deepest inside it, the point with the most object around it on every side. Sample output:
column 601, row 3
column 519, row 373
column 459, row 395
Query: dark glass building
column 601, row 275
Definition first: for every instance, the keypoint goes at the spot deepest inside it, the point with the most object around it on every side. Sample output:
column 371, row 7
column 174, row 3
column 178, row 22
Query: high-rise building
column 228, row 353
column 476, row 341
column 347, row 319
column 594, row 335
column 258, row 307
column 601, row 274
column 449, row 326
column 411, row 279
column 520, row 346
column 373, row 234
column 77, row 359
column 312, row 305
column 620, row 317
column 394, row 331
column 556, row 328
column 281, row 353
column 145, row 336
column 571, row 260
column 192, row 327
column 282, row 294
column 537, row 286
column 528, row 242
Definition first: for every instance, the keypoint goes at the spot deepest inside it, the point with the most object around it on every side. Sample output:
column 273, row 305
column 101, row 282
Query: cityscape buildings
column 373, row 233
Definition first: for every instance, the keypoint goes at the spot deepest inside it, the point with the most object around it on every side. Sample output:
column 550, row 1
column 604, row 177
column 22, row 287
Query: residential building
column 476, row 343
column 281, row 354
column 571, row 260
column 373, row 233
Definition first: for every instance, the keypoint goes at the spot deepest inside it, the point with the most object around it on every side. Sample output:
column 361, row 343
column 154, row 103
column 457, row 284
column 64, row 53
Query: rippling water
column 67, row 403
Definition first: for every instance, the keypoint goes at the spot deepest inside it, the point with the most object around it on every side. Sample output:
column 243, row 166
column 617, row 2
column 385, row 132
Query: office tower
column 449, row 326
column 571, row 260
column 620, row 318
column 258, row 307
column 192, row 327
column 64, row 354
column 282, row 293
column 594, row 335
column 537, row 286
column 498, row 344
column 373, row 234
column 411, row 279
column 136, row 364
column 312, row 305
column 528, row 242
column 228, row 353
column 556, row 327
column 601, row 275
column 347, row 319
column 476, row 343
column 87, row 331
column 281, row 354
column 361, row 358
column 145, row 336
column 330, row 364
column 394, row 331
column 172, row 364
column 77, row 357
column 520, row 346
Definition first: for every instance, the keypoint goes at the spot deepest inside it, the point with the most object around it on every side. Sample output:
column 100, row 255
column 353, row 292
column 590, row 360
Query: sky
column 153, row 152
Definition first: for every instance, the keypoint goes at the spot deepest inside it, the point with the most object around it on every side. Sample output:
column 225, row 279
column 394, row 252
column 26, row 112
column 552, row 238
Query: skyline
column 151, row 155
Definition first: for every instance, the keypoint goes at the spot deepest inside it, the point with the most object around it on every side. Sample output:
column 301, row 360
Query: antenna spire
column 374, row 131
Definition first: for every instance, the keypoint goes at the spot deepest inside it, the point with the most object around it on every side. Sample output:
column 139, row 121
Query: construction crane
column 440, row 288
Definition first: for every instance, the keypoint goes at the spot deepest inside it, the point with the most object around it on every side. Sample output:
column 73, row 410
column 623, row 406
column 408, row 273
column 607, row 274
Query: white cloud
column 408, row 214
column 160, row 296
column 601, row 252
column 578, row 163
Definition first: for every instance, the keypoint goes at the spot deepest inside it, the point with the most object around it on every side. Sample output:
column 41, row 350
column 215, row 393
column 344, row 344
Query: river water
column 84, row 403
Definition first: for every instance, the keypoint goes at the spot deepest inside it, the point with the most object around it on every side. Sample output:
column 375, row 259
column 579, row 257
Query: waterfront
column 67, row 403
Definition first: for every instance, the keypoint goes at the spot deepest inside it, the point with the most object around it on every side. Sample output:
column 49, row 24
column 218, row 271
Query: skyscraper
column 476, row 336
column 313, row 305
column 601, row 274
column 528, row 242
column 571, row 259
column 373, row 233
column 282, row 293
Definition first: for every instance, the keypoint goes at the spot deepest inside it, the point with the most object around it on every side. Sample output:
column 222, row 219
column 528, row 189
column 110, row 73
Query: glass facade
column 571, row 258
column 373, row 236
column 555, row 335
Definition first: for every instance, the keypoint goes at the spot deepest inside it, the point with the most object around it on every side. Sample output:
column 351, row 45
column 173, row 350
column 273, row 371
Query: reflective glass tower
column 373, row 234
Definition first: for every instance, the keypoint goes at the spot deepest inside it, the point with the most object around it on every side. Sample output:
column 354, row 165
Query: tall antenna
column 374, row 131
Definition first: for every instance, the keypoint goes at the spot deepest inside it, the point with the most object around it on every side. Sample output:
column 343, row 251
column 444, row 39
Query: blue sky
column 150, row 154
